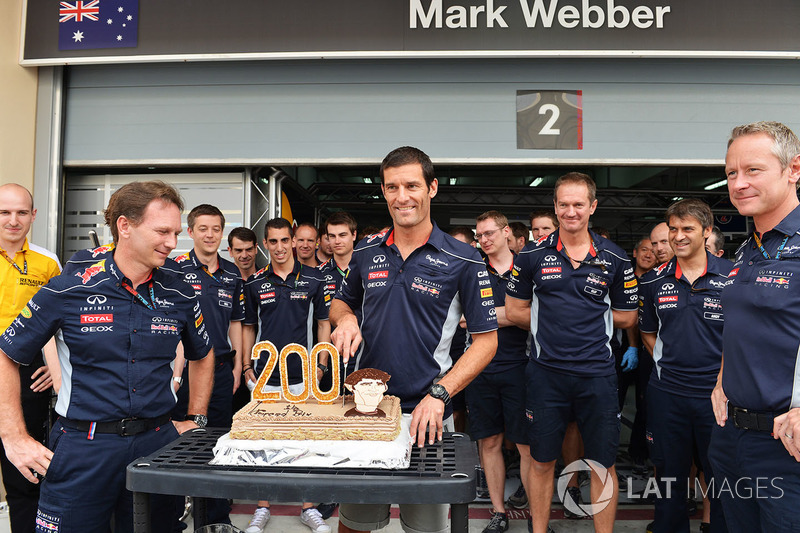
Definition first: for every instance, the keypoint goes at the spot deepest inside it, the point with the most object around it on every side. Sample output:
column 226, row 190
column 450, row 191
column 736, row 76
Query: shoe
column 326, row 509
column 498, row 523
column 705, row 527
column 649, row 527
column 482, row 489
column 518, row 500
column 639, row 468
column 622, row 482
column 313, row 519
column 575, row 494
column 259, row 520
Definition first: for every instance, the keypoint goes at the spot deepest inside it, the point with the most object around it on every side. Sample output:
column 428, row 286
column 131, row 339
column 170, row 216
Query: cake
column 315, row 421
column 318, row 428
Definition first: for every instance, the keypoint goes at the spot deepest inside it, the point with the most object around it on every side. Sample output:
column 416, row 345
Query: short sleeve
column 250, row 303
column 624, row 288
column 322, row 302
column 477, row 301
column 238, row 302
column 521, row 284
column 351, row 291
column 194, row 335
column 648, row 319
column 39, row 320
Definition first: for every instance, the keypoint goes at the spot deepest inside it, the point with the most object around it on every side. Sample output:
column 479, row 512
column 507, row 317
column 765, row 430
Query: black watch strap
column 324, row 368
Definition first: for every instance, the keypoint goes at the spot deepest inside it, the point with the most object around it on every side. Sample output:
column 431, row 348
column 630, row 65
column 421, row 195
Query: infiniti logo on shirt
column 96, row 299
column 667, row 287
column 379, row 259
column 551, row 258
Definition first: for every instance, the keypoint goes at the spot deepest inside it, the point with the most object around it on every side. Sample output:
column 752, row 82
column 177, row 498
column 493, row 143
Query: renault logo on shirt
column 96, row 299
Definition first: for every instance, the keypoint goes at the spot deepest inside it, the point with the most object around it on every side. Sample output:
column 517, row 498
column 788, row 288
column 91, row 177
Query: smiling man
column 583, row 283
column 756, row 402
column 681, row 320
column 414, row 281
column 305, row 244
column 120, row 322
column 243, row 250
column 26, row 268
column 281, row 301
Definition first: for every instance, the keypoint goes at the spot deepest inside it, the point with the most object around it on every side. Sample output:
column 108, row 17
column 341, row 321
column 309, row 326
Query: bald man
column 24, row 268
column 659, row 237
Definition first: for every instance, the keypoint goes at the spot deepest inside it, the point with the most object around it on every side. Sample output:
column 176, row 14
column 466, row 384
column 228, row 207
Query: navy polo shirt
column 411, row 308
column 284, row 311
column 220, row 294
column 761, row 339
column 513, row 343
column 115, row 353
column 571, row 308
column 83, row 259
column 688, row 321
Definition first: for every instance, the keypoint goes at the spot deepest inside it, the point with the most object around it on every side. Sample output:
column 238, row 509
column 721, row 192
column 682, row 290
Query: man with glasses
column 496, row 397
column 568, row 289
column 681, row 321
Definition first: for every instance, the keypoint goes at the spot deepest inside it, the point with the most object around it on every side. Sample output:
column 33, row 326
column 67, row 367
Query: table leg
column 199, row 512
column 141, row 512
column 459, row 517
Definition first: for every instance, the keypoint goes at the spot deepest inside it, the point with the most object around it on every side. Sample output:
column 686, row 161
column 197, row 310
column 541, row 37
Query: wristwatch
column 439, row 392
column 324, row 368
column 200, row 420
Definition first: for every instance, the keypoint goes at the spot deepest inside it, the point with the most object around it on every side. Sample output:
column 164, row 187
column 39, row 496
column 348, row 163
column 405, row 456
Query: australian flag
column 91, row 24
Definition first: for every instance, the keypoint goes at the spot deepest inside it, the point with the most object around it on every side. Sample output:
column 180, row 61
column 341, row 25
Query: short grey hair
column 785, row 143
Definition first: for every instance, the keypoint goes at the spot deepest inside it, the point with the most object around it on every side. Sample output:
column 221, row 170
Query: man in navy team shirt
column 496, row 397
column 681, row 320
column 754, row 451
column 413, row 283
column 218, row 286
column 571, row 289
column 121, row 320
column 281, row 300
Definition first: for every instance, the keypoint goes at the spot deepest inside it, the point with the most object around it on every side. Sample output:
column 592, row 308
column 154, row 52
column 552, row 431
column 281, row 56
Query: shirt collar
column 790, row 224
column 296, row 270
column 112, row 270
column 714, row 265
column 555, row 241
column 491, row 267
column 24, row 248
column 435, row 239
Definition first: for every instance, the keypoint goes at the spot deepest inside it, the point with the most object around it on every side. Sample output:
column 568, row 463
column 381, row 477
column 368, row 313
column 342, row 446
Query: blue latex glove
column 631, row 359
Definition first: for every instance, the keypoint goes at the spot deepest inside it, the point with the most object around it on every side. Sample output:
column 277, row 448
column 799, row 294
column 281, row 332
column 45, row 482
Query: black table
column 441, row 473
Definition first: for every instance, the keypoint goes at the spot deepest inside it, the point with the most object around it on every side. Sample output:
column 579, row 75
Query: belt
column 754, row 420
column 124, row 428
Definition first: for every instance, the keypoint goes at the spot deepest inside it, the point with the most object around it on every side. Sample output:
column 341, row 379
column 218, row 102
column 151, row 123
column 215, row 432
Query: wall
column 17, row 101
column 636, row 111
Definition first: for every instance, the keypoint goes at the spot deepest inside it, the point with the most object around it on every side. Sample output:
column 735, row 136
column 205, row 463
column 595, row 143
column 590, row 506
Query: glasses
column 488, row 234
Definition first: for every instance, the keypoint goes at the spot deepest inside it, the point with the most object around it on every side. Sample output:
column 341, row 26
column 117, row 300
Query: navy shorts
column 496, row 404
column 553, row 399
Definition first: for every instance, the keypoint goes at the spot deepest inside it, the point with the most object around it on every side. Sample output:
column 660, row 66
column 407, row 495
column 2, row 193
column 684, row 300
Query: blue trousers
column 85, row 483
column 759, row 481
column 678, row 424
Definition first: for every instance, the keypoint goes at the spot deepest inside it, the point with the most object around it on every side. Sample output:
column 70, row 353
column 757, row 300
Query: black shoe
column 705, row 527
column 622, row 483
column 649, row 527
column 498, row 523
column 691, row 506
column 518, row 500
column 327, row 509
column 482, row 489
column 575, row 494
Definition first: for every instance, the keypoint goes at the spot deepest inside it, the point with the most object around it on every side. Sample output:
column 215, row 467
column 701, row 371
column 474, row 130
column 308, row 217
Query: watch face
column 201, row 420
column 437, row 391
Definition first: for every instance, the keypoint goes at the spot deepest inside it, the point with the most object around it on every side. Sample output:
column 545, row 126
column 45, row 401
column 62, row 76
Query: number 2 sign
column 550, row 120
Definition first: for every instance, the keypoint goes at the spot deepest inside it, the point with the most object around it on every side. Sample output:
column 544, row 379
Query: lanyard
column 149, row 305
column 205, row 269
column 593, row 262
column 24, row 269
column 764, row 251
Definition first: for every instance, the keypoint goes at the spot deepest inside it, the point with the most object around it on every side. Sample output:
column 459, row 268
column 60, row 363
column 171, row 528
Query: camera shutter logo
column 587, row 509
